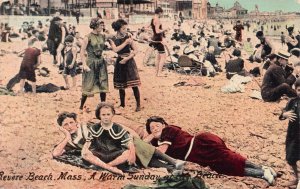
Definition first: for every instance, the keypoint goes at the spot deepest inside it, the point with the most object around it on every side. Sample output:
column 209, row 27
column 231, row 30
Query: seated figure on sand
column 279, row 79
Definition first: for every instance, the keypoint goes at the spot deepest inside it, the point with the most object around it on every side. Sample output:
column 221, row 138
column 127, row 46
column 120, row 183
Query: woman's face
column 100, row 27
column 156, row 129
column 106, row 115
column 70, row 125
column 123, row 29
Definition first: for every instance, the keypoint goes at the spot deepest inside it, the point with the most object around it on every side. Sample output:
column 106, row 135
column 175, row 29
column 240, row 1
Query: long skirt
column 210, row 150
column 126, row 75
column 96, row 80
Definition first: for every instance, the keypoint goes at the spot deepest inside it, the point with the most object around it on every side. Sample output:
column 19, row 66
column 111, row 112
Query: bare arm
column 163, row 148
column 60, row 148
column 120, row 47
column 74, row 52
column 132, row 53
column 63, row 34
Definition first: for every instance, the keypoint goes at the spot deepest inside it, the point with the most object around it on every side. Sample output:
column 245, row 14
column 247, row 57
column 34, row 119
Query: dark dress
column 235, row 66
column 276, row 83
column 207, row 150
column 125, row 75
column 292, row 143
column 54, row 37
column 107, row 145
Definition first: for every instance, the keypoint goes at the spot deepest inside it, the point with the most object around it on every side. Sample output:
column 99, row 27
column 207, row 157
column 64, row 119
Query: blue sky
column 264, row 5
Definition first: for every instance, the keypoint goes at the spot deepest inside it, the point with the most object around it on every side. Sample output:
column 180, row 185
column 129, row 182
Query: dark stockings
column 253, row 170
column 136, row 93
column 84, row 97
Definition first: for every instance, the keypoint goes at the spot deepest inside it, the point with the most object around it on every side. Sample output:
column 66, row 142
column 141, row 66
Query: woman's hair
column 236, row 52
column 272, row 56
column 259, row 34
column 95, row 22
column 104, row 105
column 154, row 119
column 297, row 83
column 62, row 116
column 158, row 10
column 117, row 25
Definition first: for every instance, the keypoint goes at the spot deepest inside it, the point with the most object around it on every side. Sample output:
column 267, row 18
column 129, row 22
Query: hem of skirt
column 122, row 86
column 92, row 93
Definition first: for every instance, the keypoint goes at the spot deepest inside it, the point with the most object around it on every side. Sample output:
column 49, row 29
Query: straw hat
column 283, row 54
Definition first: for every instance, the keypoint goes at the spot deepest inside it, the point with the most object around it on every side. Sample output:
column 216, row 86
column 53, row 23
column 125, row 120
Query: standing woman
column 126, row 73
column 94, row 76
column 157, row 39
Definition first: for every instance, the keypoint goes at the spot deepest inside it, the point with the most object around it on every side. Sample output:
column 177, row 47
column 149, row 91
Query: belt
column 190, row 149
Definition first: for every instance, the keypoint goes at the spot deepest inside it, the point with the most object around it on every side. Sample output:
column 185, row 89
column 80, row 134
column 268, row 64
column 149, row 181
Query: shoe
column 177, row 172
column 273, row 172
column 180, row 164
column 269, row 177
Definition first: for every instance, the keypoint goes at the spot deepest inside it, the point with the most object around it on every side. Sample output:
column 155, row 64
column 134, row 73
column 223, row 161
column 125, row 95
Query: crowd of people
column 109, row 145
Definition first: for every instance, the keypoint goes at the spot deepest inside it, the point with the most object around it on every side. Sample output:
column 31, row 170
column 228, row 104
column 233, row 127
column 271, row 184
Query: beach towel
column 73, row 157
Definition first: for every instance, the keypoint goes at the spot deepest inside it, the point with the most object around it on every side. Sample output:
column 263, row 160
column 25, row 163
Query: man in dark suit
column 279, row 79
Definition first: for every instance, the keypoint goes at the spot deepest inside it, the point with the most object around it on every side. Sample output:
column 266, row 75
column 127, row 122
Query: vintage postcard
column 138, row 94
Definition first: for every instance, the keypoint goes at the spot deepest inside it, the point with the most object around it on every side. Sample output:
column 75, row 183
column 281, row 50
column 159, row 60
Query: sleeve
column 126, row 139
column 266, row 65
column 278, row 75
column 288, row 107
column 88, row 135
column 168, row 135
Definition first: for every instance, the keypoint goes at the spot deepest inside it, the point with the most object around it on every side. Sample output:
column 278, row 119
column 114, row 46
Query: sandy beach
column 29, row 130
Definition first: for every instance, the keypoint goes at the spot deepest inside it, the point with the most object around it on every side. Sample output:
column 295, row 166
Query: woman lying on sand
column 205, row 149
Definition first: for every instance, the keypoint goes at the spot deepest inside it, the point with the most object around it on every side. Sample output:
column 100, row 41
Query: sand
column 29, row 130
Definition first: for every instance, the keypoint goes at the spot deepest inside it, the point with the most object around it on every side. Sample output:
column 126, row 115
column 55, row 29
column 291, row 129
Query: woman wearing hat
column 94, row 76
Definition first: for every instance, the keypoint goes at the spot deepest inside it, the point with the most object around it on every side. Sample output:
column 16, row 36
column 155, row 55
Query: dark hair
column 272, row 56
column 104, row 105
column 176, row 47
column 69, row 39
column 158, row 10
column 95, row 22
column 154, row 119
column 62, row 116
column 297, row 83
column 259, row 34
column 236, row 52
column 117, row 25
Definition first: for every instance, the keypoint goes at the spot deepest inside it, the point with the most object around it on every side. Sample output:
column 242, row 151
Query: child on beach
column 31, row 60
column 70, row 54
column 291, row 112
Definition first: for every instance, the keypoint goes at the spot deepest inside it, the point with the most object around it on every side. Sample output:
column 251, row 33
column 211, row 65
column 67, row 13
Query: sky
column 263, row 5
